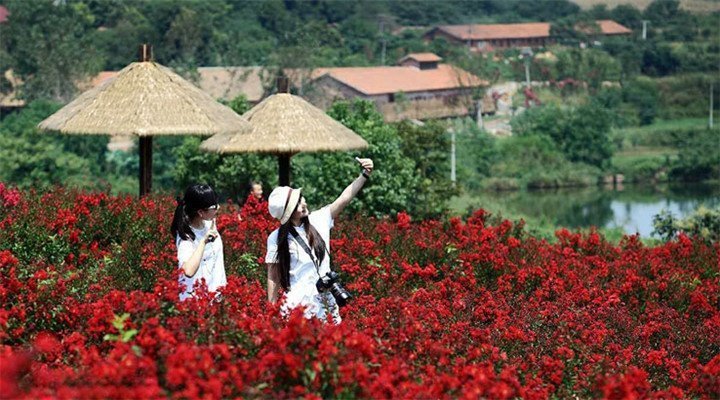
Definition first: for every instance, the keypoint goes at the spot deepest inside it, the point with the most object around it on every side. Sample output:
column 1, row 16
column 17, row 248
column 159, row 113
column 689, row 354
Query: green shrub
column 698, row 158
column 642, row 95
column 684, row 96
column 581, row 133
column 645, row 170
column 704, row 222
column 500, row 184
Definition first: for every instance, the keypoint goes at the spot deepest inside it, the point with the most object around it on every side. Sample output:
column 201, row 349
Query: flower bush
column 443, row 309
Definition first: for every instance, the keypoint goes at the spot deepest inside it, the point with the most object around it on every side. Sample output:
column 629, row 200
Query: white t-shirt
column 303, row 272
column 212, row 263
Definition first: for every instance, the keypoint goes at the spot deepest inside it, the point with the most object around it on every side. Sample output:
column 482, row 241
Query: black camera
column 331, row 281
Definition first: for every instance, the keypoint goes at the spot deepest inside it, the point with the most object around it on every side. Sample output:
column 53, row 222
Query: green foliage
column 590, row 65
column 698, row 157
column 642, row 95
column 240, row 104
column 643, row 169
column 704, row 222
column 476, row 153
column 228, row 174
column 536, row 161
column 123, row 335
column 30, row 158
column 581, row 133
column 687, row 95
column 659, row 59
column 429, row 147
column 395, row 184
column 48, row 43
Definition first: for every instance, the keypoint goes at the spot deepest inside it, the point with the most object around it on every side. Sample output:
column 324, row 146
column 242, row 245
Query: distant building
column 9, row 100
column 487, row 37
column 221, row 83
column 419, row 88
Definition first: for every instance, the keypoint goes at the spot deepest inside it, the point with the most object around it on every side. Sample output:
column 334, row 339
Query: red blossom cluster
column 442, row 309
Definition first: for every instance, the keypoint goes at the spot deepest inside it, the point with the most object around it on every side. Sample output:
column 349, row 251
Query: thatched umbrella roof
column 284, row 123
column 145, row 99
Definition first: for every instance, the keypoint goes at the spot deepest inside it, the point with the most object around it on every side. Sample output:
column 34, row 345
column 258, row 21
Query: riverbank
column 614, row 211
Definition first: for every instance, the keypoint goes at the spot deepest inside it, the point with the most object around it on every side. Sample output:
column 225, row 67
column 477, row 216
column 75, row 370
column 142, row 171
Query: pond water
column 628, row 207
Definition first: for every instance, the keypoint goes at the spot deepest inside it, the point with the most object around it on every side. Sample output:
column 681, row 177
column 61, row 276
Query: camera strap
column 307, row 249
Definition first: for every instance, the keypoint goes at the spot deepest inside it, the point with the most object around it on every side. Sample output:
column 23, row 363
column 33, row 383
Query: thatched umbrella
column 284, row 124
column 145, row 99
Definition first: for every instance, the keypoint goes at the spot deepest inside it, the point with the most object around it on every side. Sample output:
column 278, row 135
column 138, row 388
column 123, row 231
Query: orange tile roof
column 384, row 80
column 498, row 31
column 519, row 31
column 422, row 57
column 610, row 27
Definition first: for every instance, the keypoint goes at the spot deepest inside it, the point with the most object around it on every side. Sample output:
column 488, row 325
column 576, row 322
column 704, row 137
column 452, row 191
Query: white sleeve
column 322, row 217
column 185, row 250
column 272, row 248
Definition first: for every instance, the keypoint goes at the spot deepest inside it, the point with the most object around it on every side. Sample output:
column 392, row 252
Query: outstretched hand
column 366, row 164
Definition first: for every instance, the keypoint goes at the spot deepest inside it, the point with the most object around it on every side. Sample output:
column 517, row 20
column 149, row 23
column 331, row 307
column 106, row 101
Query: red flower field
column 442, row 309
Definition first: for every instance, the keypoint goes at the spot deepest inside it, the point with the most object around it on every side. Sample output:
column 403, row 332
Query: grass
column 666, row 125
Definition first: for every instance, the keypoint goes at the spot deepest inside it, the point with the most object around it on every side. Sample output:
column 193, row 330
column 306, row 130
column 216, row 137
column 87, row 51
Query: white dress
column 303, row 273
column 212, row 263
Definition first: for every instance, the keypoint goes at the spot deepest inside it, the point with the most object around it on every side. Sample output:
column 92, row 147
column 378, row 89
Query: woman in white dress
column 199, row 246
column 298, row 252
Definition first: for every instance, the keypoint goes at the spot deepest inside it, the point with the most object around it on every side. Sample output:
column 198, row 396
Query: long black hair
column 197, row 197
column 317, row 244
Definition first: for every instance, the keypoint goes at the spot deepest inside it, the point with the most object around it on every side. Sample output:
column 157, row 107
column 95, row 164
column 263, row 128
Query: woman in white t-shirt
column 199, row 246
column 298, row 252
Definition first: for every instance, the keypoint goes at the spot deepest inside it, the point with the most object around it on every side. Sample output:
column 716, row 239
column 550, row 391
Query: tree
column 49, row 44
column 642, row 95
column 29, row 158
column 627, row 15
column 581, row 133
column 429, row 147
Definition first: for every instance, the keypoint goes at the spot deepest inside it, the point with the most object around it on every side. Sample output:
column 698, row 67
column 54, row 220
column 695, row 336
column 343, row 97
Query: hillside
column 699, row 6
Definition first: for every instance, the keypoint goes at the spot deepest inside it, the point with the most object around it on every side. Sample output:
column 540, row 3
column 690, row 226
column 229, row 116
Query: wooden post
column 145, row 55
column 145, row 165
column 284, row 169
column 283, row 84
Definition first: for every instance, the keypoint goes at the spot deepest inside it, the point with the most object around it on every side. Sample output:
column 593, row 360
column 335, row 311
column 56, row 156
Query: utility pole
column 710, row 116
column 382, row 40
column 644, row 33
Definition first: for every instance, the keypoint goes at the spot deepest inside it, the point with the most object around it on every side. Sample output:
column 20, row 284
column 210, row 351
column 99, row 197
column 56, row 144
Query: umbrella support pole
column 284, row 169
column 145, row 165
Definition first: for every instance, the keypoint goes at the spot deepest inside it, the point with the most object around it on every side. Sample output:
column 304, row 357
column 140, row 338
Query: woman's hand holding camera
column 366, row 164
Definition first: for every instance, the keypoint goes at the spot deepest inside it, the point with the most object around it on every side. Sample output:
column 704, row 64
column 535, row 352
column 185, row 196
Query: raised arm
column 349, row 193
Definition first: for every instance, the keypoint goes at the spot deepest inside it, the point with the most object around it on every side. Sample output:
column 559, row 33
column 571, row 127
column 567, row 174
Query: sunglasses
column 214, row 207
